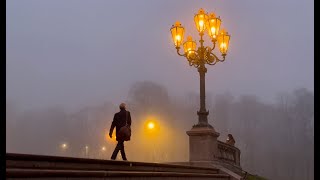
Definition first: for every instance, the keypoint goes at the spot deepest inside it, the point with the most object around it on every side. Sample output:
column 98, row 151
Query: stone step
column 26, row 161
column 13, row 173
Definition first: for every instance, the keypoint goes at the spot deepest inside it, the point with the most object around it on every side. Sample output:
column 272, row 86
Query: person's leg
column 123, row 153
column 116, row 150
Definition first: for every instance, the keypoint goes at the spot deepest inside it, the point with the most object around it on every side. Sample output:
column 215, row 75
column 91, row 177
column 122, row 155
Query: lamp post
column 203, row 55
column 203, row 142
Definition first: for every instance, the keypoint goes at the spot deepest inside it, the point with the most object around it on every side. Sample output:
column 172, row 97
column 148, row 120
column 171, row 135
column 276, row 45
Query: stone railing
column 228, row 153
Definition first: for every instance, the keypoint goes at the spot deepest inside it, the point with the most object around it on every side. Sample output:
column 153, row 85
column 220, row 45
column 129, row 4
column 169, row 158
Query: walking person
column 121, row 120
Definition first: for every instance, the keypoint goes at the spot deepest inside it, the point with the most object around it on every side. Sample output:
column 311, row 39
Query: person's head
column 230, row 136
column 122, row 106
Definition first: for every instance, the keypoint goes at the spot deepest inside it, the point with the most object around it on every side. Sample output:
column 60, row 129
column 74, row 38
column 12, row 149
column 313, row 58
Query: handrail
column 228, row 153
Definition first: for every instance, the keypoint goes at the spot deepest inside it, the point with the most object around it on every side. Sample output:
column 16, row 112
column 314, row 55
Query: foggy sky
column 79, row 52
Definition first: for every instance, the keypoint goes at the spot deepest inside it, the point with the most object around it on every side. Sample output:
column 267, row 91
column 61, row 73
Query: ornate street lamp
column 203, row 55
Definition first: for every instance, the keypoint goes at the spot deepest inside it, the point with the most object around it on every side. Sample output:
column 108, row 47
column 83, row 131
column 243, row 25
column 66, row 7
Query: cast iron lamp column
column 203, row 55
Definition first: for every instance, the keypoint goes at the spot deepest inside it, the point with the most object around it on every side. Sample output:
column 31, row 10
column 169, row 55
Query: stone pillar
column 203, row 144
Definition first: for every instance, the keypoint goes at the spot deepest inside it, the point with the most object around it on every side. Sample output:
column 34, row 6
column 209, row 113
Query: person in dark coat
column 119, row 120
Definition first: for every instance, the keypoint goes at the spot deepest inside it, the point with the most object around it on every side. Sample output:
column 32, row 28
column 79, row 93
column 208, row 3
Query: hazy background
column 79, row 52
column 70, row 63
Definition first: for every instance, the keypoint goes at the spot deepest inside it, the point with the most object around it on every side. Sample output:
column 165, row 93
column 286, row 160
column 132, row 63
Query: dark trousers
column 119, row 147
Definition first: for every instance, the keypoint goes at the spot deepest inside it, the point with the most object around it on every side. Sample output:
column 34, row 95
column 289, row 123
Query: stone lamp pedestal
column 203, row 143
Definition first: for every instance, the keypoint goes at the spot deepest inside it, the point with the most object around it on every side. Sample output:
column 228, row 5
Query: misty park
column 215, row 89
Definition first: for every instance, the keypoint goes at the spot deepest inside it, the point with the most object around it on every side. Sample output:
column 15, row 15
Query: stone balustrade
column 228, row 153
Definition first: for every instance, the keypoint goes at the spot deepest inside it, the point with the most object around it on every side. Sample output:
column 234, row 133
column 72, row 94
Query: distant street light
column 64, row 146
column 203, row 55
column 152, row 128
column 102, row 153
column 87, row 149
column 150, row 125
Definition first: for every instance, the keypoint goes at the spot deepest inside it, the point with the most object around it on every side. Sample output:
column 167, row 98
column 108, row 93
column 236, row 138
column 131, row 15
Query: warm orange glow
column 150, row 125
column 213, row 31
column 201, row 24
column 200, row 20
column 113, row 139
column 154, row 145
column 177, row 32
column 213, row 25
column 223, row 40
column 103, row 148
column 178, row 38
column 189, row 46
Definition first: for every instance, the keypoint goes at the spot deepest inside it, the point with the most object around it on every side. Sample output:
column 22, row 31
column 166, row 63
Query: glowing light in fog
column 150, row 125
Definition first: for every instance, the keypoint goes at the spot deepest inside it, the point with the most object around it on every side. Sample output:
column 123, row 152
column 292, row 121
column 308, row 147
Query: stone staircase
column 24, row 166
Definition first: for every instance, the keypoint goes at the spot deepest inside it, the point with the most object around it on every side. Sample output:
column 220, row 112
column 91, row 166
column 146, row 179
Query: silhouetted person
column 230, row 140
column 119, row 120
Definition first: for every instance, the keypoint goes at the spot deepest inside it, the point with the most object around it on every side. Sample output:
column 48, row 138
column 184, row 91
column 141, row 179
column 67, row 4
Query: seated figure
column 230, row 140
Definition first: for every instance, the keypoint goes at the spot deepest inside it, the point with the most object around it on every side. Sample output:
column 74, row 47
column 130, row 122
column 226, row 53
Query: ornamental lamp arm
column 221, row 60
column 178, row 48
column 214, row 45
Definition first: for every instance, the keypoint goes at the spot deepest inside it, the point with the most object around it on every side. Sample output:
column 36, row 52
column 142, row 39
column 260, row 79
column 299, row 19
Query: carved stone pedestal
column 203, row 144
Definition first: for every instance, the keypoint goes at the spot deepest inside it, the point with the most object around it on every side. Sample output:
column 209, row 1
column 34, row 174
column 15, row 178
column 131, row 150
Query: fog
column 71, row 63
column 276, row 140
column 78, row 52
